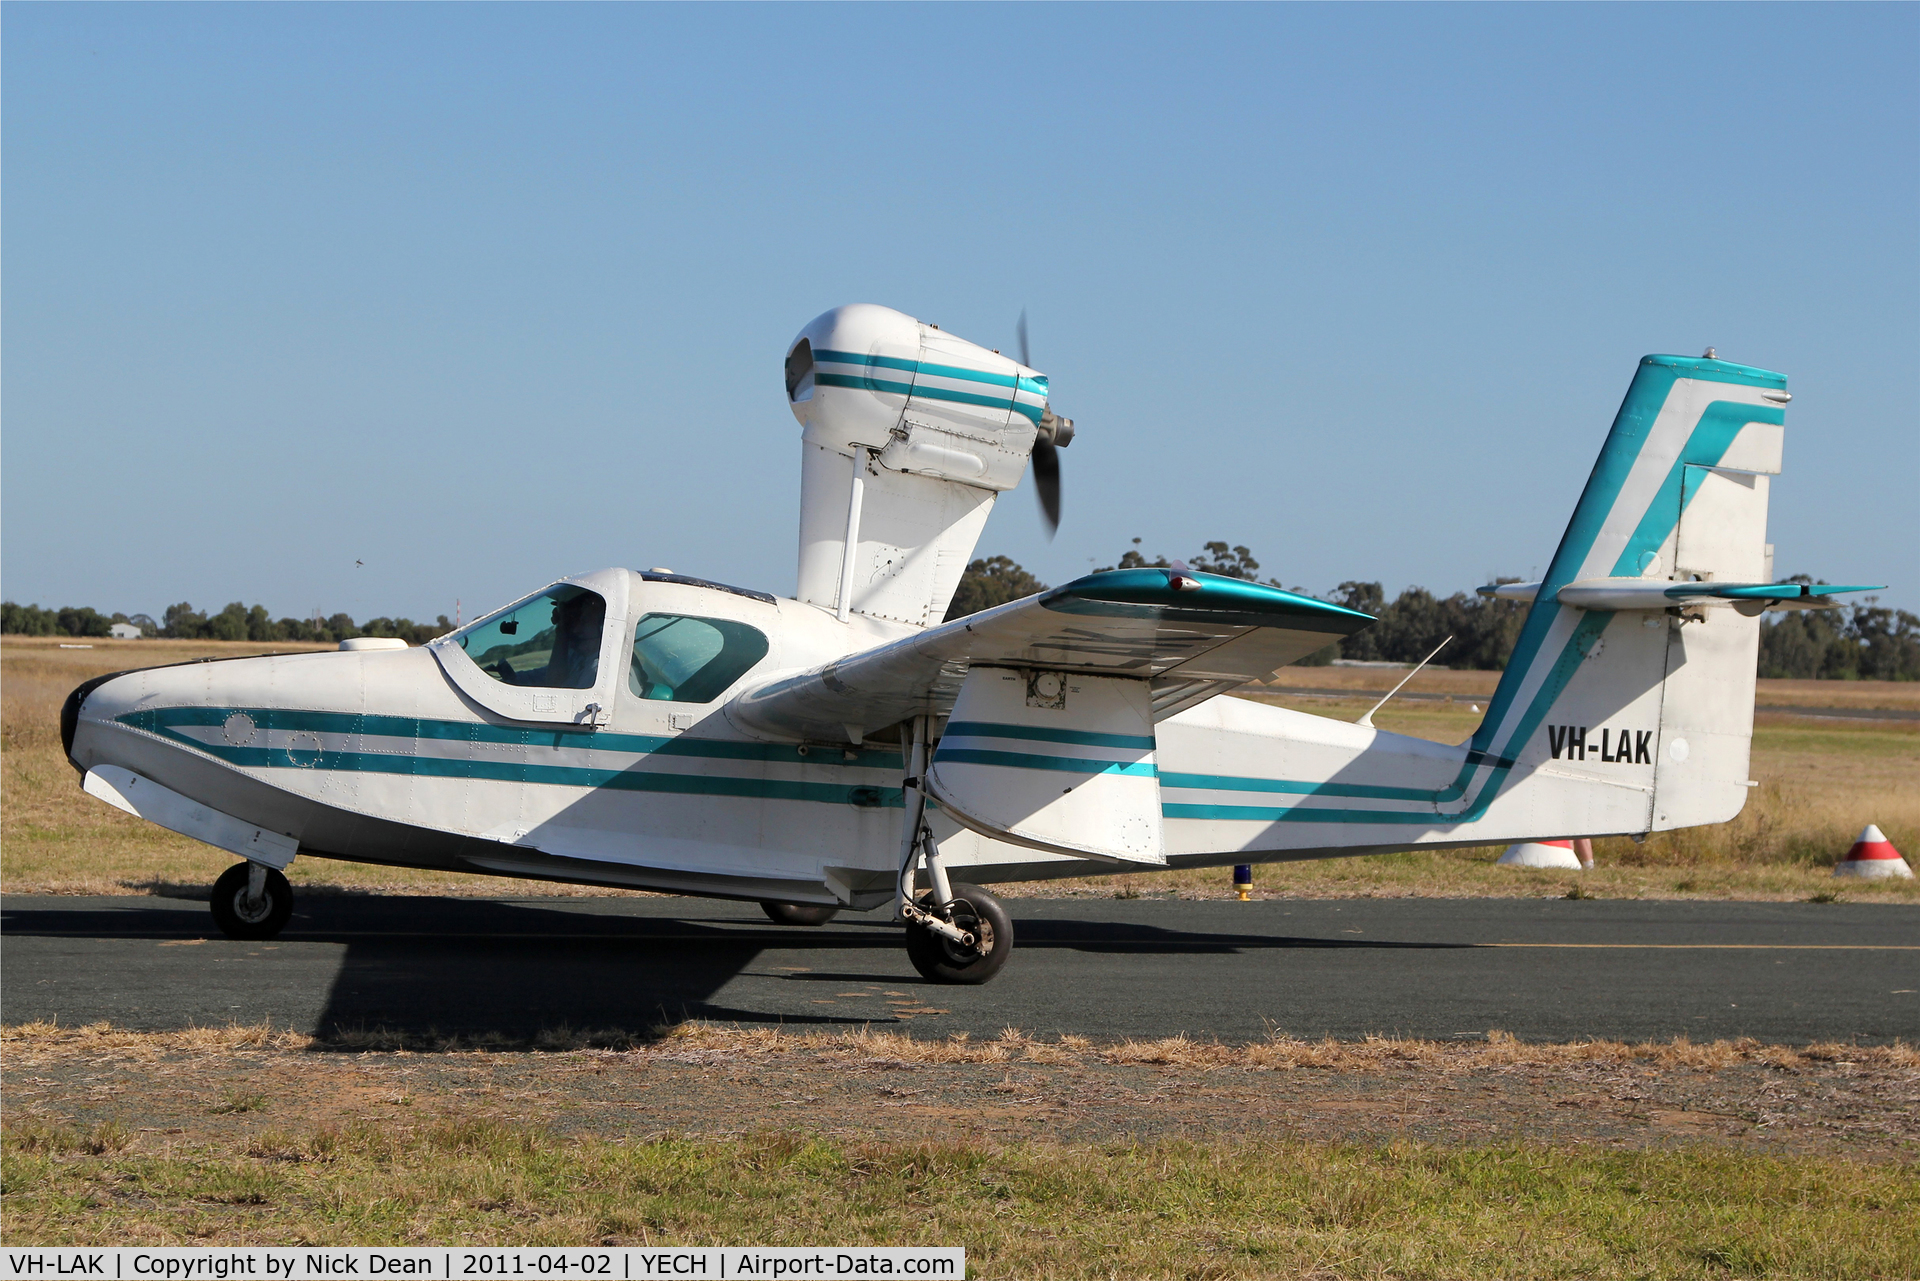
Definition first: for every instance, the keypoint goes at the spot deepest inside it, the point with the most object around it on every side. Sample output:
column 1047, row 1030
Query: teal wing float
column 1189, row 635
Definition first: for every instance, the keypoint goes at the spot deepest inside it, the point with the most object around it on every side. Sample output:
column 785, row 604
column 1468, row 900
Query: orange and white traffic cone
column 1873, row 857
column 1541, row 854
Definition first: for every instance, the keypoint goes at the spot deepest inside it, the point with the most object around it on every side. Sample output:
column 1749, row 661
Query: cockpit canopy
column 678, row 646
column 551, row 640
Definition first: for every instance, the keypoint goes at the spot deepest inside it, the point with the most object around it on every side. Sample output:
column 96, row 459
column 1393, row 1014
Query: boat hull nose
column 70, row 714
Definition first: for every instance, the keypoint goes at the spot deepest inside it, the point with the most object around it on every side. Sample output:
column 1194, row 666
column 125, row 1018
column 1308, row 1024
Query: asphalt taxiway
column 1541, row 969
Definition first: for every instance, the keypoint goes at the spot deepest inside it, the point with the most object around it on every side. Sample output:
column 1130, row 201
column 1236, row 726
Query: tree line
column 1854, row 642
column 237, row 622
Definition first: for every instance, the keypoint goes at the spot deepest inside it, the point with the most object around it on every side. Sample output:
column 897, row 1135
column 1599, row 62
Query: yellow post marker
column 1243, row 881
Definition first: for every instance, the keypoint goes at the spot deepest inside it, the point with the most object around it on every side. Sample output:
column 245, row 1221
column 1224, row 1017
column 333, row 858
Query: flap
column 1188, row 635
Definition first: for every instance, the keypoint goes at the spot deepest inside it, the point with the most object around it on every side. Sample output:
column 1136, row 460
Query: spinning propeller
column 1055, row 434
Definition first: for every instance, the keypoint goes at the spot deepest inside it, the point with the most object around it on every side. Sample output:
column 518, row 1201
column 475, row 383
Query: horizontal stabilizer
column 1189, row 635
column 1653, row 593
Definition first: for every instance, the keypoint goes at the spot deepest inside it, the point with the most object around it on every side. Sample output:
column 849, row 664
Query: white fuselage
column 387, row 756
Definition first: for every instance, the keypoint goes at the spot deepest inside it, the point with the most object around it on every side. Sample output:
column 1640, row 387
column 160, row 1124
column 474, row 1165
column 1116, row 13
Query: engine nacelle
column 928, row 403
column 935, row 427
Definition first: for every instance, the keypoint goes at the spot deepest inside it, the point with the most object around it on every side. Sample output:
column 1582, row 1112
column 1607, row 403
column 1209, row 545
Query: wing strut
column 913, row 791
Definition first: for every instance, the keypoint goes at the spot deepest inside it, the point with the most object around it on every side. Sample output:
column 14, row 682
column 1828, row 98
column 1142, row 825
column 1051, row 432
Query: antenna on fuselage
column 1367, row 720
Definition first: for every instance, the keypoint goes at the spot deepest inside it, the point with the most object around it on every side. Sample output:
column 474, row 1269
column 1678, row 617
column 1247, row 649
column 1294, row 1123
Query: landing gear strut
column 955, row 933
column 251, row 901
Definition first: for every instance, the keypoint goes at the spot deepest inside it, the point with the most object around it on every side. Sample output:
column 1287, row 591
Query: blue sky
column 484, row 295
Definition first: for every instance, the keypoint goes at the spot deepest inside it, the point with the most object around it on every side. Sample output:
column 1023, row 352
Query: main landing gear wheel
column 798, row 913
column 941, row 960
column 242, row 915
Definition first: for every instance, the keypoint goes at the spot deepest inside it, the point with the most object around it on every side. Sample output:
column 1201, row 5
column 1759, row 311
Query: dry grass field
column 1822, row 779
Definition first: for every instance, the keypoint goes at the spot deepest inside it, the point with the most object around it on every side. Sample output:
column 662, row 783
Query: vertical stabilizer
column 932, row 426
column 1657, row 700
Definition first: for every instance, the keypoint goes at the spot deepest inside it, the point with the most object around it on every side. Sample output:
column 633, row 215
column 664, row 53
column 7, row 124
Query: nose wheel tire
column 242, row 916
column 798, row 913
column 941, row 960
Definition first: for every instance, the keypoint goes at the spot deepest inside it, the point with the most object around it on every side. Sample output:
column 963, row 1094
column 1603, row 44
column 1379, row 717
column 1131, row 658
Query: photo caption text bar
column 568, row 1263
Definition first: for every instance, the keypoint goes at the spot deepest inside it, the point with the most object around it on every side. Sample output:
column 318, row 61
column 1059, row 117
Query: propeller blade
column 1046, row 453
column 1046, row 482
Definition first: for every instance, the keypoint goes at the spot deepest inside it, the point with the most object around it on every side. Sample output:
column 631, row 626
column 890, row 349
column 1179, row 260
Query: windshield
column 551, row 641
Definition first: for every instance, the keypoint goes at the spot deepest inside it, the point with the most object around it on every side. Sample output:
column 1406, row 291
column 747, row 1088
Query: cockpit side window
column 551, row 641
column 681, row 659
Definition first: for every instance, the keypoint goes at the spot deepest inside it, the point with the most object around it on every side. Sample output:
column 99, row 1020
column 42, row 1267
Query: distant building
column 124, row 631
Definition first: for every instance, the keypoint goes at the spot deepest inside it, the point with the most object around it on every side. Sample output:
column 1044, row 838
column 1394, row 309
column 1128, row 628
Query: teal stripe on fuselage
column 1082, row 738
column 631, row 779
column 1024, row 760
column 161, row 720
column 1301, row 814
column 169, row 722
column 1297, row 787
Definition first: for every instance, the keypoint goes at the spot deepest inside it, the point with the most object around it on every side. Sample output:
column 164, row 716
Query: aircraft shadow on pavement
column 420, row 967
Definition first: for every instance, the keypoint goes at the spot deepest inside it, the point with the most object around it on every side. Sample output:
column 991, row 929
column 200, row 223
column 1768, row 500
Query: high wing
column 1189, row 635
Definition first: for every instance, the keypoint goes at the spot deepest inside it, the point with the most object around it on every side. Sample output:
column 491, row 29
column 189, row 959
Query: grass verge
column 719, row 1043
column 1174, row 1208
column 1044, row 1157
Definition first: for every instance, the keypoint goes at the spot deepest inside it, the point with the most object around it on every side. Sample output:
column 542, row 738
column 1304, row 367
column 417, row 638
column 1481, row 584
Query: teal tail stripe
column 1083, row 738
column 1708, row 444
column 1632, row 426
column 1021, row 760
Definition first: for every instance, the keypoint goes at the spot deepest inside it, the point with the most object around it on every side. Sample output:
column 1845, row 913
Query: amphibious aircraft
column 844, row 748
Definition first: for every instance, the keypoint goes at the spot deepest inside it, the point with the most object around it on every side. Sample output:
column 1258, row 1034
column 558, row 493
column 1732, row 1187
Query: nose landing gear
column 251, row 901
